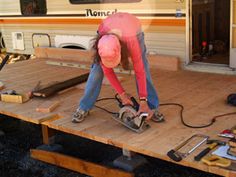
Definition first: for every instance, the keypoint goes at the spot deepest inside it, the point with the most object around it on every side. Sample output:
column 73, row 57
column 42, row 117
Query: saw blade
column 129, row 119
column 139, row 130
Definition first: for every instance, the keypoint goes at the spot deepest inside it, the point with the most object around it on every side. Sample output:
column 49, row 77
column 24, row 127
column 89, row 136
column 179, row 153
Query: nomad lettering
column 96, row 13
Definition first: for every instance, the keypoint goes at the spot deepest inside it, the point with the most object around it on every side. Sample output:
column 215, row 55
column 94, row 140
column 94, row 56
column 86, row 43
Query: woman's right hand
column 125, row 99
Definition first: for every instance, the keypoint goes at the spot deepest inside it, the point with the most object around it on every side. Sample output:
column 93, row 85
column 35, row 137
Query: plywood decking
column 23, row 77
column 203, row 96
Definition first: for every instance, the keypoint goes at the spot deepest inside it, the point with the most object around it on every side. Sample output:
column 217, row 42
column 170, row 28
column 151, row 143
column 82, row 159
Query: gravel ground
column 18, row 137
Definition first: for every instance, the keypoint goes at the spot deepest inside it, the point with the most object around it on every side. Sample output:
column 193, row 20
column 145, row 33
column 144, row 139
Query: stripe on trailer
column 157, row 22
column 84, row 15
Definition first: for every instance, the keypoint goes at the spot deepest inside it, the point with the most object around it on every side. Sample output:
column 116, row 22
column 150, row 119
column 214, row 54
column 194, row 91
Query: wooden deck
column 202, row 95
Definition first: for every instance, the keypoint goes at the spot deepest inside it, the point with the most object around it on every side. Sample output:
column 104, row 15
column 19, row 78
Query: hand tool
column 177, row 156
column 226, row 134
column 214, row 160
column 128, row 117
column 213, row 144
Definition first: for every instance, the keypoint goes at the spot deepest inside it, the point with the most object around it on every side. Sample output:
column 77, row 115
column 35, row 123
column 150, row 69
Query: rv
column 196, row 31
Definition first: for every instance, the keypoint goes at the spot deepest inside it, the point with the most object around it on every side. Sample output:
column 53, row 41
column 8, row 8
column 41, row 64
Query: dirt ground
column 18, row 137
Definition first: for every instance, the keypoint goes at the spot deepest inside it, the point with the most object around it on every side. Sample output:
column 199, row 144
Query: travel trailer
column 196, row 31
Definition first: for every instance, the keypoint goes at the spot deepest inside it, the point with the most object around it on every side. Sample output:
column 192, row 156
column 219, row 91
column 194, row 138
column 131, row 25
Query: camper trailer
column 196, row 31
column 26, row 24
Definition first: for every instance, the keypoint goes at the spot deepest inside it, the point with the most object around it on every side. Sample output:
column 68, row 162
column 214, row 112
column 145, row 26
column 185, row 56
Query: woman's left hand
column 143, row 107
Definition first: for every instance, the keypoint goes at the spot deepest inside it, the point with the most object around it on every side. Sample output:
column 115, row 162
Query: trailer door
column 233, row 35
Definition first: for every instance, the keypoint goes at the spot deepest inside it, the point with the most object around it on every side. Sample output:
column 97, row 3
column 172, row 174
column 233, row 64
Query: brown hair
column 124, row 52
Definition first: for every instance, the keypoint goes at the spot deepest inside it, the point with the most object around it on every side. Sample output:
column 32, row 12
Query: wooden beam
column 77, row 165
column 47, row 134
column 48, row 106
column 53, row 89
column 62, row 54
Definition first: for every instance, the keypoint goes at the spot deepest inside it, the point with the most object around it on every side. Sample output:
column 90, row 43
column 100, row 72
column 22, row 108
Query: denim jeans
column 94, row 82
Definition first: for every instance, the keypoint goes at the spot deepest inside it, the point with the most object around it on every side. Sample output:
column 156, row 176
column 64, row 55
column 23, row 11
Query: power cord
column 103, row 99
column 213, row 120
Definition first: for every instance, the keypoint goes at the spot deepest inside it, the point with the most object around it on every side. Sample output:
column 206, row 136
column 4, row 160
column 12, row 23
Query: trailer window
column 101, row 1
column 33, row 7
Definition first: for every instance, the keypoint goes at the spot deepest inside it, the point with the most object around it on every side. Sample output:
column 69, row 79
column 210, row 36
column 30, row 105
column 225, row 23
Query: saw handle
column 174, row 155
column 135, row 103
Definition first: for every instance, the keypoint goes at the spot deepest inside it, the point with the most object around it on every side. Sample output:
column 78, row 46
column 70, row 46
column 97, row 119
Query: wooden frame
column 77, row 165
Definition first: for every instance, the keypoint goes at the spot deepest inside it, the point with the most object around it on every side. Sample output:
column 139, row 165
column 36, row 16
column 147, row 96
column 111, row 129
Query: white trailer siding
column 165, row 34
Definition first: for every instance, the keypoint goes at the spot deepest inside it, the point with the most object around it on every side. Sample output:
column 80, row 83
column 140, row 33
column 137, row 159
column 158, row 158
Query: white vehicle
column 197, row 31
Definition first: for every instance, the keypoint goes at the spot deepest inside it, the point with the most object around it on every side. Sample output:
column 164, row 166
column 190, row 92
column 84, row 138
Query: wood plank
column 77, row 165
column 48, row 106
column 164, row 62
column 53, row 89
column 62, row 54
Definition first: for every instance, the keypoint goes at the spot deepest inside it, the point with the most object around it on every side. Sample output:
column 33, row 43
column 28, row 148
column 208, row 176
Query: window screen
column 101, row 1
column 33, row 7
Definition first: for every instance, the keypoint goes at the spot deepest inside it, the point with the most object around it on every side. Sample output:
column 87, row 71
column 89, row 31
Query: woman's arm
column 136, row 56
column 111, row 76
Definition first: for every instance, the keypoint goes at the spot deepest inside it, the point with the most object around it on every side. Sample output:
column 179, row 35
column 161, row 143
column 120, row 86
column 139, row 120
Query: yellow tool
column 213, row 144
column 214, row 160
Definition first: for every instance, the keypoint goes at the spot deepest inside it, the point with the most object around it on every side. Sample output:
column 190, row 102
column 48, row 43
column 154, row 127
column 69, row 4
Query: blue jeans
column 94, row 82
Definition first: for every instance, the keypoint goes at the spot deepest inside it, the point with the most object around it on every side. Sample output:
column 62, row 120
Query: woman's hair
column 124, row 52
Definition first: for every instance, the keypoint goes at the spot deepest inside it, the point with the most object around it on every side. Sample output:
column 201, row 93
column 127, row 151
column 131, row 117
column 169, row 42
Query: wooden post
column 48, row 134
column 127, row 153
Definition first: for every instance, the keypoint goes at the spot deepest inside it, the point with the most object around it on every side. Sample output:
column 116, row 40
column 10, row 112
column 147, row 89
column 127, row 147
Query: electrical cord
column 103, row 99
column 213, row 120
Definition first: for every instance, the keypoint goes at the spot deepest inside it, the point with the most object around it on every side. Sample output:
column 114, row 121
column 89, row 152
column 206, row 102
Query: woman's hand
column 125, row 99
column 143, row 107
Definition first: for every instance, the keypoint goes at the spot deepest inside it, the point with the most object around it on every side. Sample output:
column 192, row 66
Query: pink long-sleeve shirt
column 126, row 26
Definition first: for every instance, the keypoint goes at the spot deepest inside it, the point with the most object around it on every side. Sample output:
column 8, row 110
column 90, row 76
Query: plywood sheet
column 203, row 96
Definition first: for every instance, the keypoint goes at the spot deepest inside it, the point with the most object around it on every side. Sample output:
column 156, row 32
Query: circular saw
column 128, row 117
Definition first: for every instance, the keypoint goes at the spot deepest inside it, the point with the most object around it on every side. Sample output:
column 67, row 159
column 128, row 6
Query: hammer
column 213, row 144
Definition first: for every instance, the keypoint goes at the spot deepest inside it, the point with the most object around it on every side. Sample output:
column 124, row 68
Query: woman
column 120, row 37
